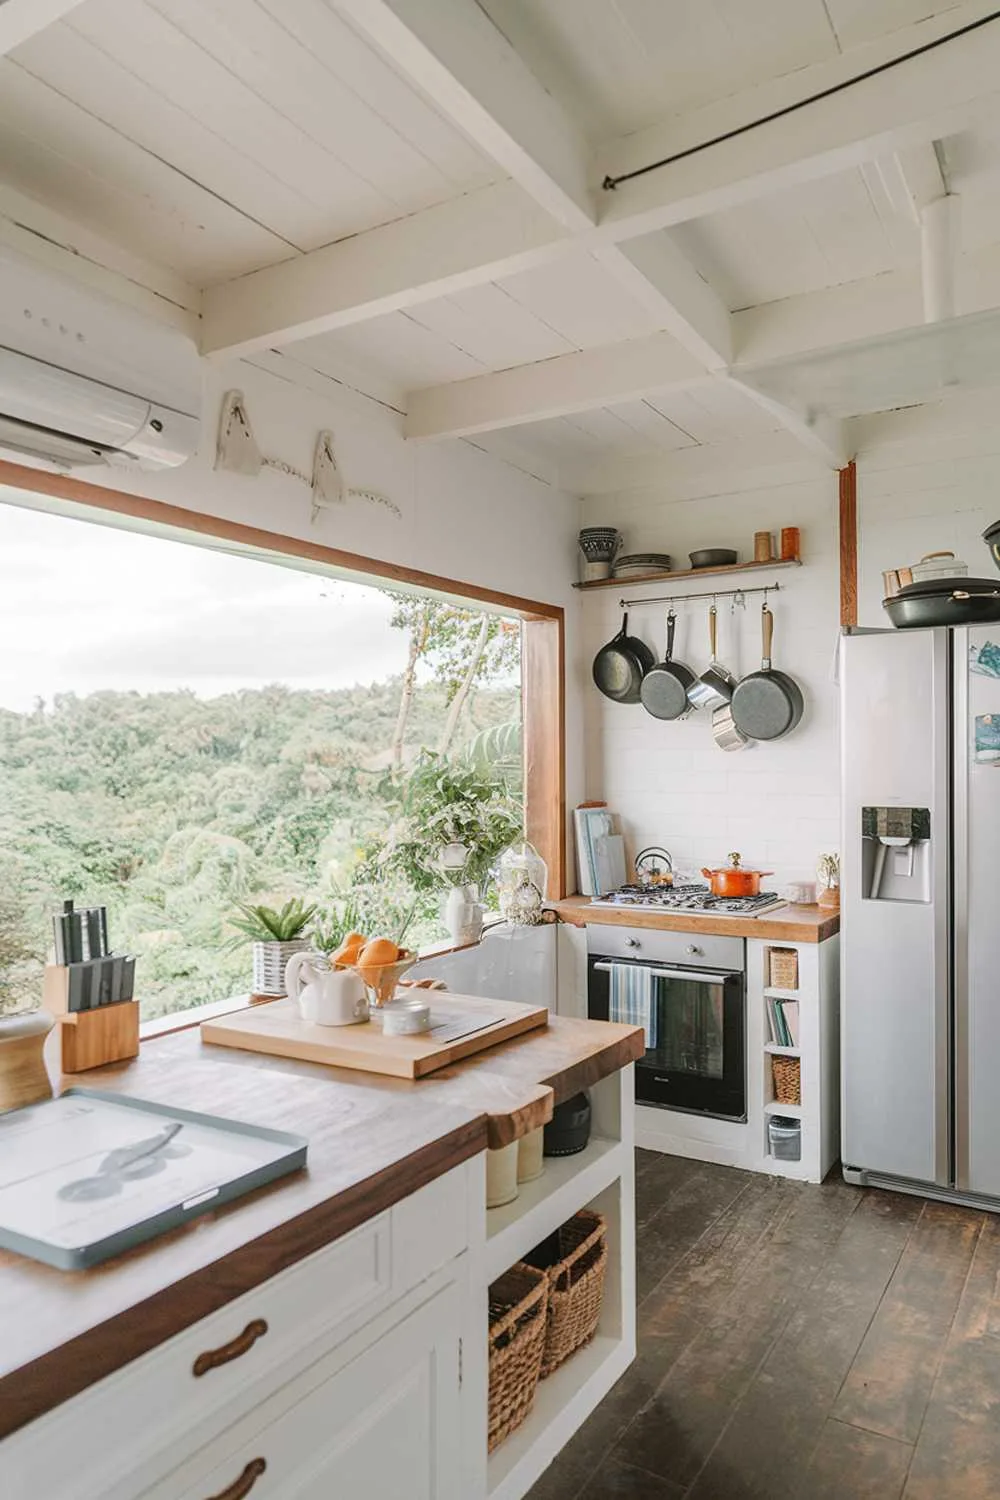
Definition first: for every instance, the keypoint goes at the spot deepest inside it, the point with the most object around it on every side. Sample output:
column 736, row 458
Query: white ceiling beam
column 492, row 232
column 21, row 19
column 744, row 465
column 919, row 100
column 912, row 178
column 824, row 437
column 453, row 52
column 551, row 388
column 676, row 295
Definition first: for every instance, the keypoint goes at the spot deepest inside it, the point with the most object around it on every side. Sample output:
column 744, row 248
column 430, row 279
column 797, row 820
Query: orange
column 349, row 949
column 377, row 953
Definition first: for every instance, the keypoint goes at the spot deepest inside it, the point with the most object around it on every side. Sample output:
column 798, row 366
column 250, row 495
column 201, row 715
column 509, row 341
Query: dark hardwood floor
column 812, row 1343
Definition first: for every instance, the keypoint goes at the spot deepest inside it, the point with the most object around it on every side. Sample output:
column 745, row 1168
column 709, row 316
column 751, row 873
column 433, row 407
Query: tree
column 464, row 648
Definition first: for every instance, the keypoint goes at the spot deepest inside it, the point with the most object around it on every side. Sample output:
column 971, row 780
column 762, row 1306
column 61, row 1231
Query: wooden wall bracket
column 849, row 545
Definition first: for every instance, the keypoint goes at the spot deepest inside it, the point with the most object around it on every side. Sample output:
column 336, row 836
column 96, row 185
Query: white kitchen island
column 328, row 1334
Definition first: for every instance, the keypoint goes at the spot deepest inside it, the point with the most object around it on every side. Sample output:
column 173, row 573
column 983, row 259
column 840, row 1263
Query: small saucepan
column 664, row 688
column 725, row 731
column 714, row 687
column 733, row 880
column 620, row 666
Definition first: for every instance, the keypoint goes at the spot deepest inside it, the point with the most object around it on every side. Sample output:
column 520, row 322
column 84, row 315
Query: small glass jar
column 522, row 882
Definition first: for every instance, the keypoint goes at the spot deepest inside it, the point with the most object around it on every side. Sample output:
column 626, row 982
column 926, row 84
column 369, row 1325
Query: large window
column 184, row 728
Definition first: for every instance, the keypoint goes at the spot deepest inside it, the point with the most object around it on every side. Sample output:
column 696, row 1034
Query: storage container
column 518, row 1301
column 783, row 969
column 785, row 1138
column 787, row 1080
column 575, row 1260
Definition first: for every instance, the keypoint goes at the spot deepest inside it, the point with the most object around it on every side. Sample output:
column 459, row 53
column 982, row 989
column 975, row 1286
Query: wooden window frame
column 543, row 649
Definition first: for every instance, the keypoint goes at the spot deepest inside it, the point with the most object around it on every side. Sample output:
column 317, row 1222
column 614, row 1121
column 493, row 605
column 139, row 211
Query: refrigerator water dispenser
column 896, row 854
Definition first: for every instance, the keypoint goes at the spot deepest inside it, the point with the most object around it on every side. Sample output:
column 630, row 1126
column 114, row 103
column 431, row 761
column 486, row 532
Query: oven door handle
column 663, row 972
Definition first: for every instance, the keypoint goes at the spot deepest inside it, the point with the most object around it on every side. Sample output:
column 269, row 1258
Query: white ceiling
column 216, row 138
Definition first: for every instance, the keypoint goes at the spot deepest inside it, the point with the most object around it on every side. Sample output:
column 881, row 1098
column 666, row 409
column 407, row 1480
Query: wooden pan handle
column 768, row 623
column 245, row 1483
column 240, row 1345
column 713, row 629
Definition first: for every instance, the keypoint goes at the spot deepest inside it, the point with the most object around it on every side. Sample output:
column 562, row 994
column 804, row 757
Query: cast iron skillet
column 620, row 666
column 664, row 688
column 767, row 704
column 944, row 601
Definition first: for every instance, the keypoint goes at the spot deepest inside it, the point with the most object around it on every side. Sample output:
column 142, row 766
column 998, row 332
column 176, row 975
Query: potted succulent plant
column 275, row 935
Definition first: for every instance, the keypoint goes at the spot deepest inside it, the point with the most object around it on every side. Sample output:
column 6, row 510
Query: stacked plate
column 636, row 563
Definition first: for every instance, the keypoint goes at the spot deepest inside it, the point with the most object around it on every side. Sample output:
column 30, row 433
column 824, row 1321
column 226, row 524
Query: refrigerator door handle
column 960, row 908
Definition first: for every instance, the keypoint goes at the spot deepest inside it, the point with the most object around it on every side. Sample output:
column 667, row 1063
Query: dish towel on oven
column 631, row 999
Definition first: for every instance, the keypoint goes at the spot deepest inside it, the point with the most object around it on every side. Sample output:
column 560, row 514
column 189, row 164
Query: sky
column 85, row 607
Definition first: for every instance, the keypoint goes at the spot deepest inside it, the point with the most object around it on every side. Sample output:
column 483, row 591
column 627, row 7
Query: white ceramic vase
column 463, row 915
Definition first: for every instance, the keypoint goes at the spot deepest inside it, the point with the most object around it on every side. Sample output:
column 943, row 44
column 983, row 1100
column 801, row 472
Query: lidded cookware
column 733, row 880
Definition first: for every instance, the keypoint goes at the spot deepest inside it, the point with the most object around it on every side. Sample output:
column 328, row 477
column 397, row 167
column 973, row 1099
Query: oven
column 689, row 992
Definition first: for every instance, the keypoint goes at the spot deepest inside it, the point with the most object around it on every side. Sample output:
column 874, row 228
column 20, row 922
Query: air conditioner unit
column 85, row 380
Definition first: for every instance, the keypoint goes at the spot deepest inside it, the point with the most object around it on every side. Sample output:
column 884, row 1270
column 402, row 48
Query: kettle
column 325, row 996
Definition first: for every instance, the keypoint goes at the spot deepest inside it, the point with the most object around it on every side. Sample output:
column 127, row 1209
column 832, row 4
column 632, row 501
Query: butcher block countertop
column 372, row 1142
column 790, row 924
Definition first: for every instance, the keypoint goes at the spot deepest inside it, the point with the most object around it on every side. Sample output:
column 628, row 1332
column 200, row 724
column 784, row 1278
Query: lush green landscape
column 170, row 807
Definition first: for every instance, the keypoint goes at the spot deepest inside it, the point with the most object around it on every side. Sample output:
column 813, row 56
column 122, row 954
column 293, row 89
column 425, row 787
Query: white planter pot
column 269, row 963
column 463, row 915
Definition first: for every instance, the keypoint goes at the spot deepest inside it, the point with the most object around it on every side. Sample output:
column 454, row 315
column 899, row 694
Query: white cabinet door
column 387, row 1424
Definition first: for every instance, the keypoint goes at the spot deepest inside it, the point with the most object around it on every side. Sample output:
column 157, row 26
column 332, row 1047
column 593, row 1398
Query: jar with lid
column 522, row 882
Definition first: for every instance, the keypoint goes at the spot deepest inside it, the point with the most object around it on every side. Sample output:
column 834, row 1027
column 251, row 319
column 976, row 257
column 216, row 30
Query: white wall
column 465, row 515
column 928, row 479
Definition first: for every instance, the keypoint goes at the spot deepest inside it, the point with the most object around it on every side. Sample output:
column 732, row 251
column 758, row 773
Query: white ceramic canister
column 530, row 1159
column 501, row 1175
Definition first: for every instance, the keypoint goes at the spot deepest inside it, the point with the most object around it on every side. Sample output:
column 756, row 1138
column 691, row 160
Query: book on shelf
column 782, row 1022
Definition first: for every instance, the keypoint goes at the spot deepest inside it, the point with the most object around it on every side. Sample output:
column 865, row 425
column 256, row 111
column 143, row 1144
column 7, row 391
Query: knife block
column 90, row 1038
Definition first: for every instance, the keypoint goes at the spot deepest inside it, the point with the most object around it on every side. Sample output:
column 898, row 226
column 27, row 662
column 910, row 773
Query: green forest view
column 170, row 807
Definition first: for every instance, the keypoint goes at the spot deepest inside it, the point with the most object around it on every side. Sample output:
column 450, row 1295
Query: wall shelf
column 793, row 1111
column 726, row 571
column 776, row 1051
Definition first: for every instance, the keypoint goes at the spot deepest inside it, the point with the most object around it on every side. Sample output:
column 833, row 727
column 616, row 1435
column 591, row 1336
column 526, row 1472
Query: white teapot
column 325, row 995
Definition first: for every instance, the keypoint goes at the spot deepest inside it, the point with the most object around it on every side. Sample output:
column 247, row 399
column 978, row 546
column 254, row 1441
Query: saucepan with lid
column 945, row 601
column 733, row 880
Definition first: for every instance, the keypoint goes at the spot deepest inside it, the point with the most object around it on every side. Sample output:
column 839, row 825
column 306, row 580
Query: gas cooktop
column 693, row 898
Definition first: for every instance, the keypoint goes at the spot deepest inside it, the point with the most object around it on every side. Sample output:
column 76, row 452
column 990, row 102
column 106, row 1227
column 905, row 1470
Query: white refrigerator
column 920, row 911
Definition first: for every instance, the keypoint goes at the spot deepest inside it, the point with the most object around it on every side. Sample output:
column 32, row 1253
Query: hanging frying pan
column 620, row 666
column 767, row 704
column 664, row 688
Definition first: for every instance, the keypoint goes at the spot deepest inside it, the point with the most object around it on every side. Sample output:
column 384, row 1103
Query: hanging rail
column 768, row 588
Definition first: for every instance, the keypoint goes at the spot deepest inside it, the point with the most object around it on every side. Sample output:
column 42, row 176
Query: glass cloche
column 522, row 883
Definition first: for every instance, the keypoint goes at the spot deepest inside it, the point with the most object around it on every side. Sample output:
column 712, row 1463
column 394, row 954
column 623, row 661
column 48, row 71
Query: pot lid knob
column 735, row 860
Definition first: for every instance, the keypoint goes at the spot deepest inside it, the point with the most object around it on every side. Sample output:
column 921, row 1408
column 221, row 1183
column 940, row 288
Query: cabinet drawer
column 384, row 1423
column 197, row 1382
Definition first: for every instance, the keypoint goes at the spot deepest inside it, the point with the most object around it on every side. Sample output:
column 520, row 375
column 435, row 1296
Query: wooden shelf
column 774, row 994
column 726, row 571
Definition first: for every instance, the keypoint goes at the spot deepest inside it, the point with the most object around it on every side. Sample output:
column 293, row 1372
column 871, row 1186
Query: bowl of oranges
column 379, row 963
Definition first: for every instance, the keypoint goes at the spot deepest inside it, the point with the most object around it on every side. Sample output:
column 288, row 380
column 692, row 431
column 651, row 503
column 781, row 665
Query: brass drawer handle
column 239, row 1345
column 245, row 1483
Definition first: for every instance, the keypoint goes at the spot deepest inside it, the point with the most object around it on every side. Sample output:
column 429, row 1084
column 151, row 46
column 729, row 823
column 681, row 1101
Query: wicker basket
column 787, row 1080
column 575, row 1260
column 784, row 964
column 518, row 1301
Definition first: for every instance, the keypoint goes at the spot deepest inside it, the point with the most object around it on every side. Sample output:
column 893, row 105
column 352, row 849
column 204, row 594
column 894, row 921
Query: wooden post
column 543, row 689
column 848, row 545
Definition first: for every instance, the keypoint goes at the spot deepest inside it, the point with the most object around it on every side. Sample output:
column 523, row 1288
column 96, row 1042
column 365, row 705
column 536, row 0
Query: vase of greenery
column 451, row 823
column 275, row 935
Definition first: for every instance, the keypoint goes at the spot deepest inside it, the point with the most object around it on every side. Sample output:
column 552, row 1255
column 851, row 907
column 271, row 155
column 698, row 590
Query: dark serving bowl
column 991, row 536
column 944, row 601
column 713, row 557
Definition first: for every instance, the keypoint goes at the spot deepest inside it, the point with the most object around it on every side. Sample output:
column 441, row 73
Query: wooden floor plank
column 776, row 1427
column 890, row 1381
column 687, row 1209
column 616, row 1480
column 677, row 1430
column 849, row 1464
column 958, row 1452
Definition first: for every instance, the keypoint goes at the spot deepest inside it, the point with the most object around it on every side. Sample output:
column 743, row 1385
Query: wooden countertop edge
column 792, row 924
column 36, row 1388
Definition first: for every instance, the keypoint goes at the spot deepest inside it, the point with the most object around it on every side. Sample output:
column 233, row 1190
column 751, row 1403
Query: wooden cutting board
column 279, row 1029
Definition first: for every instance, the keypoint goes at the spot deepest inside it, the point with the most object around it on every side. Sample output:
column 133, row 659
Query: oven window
column 689, row 1027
